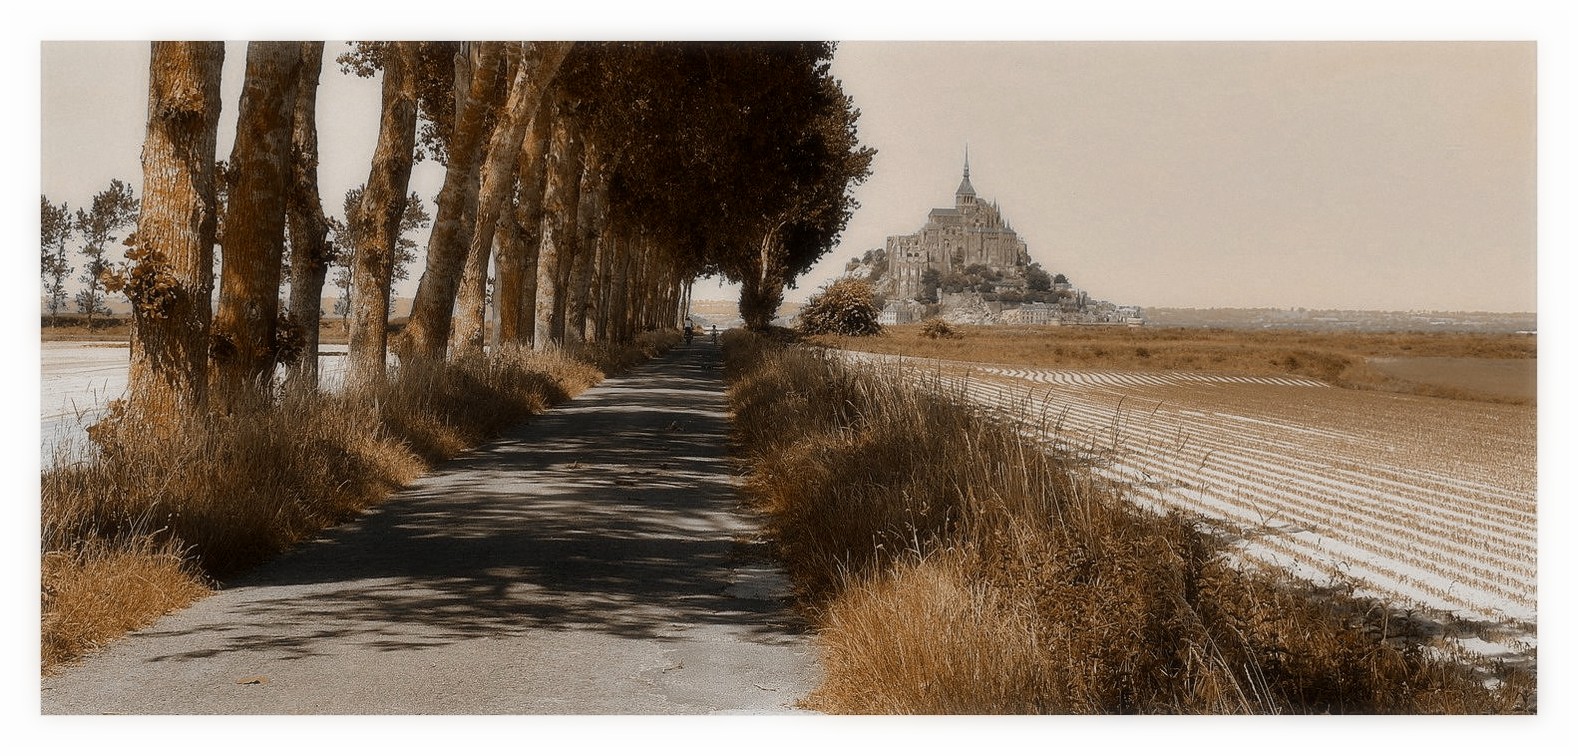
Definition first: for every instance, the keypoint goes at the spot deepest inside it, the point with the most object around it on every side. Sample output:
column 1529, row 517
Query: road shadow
column 614, row 513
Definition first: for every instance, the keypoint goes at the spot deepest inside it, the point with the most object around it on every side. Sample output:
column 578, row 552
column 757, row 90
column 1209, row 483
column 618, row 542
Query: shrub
column 846, row 307
column 937, row 328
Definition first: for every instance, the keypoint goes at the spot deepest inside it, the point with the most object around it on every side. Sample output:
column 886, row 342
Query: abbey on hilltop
column 967, row 264
column 971, row 233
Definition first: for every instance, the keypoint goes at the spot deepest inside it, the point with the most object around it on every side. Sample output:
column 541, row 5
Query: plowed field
column 1428, row 502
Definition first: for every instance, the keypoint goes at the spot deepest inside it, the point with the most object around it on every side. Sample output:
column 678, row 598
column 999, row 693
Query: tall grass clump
column 953, row 566
column 163, row 507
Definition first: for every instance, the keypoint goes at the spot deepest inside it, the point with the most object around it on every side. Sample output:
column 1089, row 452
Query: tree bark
column 457, row 202
column 579, row 302
column 644, row 283
column 608, row 251
column 305, row 222
column 619, row 294
column 762, row 292
column 245, row 321
column 510, row 280
column 378, row 218
column 557, row 237
column 473, row 279
column 469, row 315
column 527, row 224
column 169, row 345
column 539, row 63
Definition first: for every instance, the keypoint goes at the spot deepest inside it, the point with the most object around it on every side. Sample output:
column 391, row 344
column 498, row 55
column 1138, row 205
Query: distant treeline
column 1341, row 320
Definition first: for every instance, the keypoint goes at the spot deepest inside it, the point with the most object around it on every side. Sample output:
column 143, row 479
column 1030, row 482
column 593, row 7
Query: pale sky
column 1325, row 175
column 1343, row 175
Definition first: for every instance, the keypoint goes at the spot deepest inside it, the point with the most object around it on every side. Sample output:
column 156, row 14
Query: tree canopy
column 743, row 155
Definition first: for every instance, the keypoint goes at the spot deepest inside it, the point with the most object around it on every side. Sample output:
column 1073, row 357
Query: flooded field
column 80, row 379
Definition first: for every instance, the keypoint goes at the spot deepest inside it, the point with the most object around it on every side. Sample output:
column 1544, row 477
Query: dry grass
column 1336, row 358
column 93, row 595
column 164, row 503
column 952, row 567
column 926, row 639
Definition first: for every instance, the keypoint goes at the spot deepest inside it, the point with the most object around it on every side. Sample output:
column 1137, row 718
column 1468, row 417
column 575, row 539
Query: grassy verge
column 1340, row 359
column 953, row 567
column 164, row 508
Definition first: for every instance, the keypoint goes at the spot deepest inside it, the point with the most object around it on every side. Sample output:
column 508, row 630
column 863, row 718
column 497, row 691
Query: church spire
column 965, row 195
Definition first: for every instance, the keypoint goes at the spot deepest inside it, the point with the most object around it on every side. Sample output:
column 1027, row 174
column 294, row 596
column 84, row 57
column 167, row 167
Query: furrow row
column 1428, row 555
column 1239, row 469
column 1384, row 572
column 1513, row 514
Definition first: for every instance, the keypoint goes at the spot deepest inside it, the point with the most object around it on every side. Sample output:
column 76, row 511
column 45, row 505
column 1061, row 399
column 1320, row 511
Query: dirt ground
column 1508, row 378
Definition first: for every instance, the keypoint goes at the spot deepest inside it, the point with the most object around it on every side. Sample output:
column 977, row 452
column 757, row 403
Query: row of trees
column 96, row 226
column 596, row 181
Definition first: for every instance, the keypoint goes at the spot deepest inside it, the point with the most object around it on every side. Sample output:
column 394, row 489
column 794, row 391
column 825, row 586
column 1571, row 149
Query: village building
column 971, row 232
column 1032, row 313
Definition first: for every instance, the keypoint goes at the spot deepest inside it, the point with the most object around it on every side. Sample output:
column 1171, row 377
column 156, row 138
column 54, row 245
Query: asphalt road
column 594, row 560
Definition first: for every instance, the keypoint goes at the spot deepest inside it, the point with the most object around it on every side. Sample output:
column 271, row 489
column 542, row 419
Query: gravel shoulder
column 593, row 561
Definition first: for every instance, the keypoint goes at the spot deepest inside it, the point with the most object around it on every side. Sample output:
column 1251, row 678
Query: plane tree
column 375, row 224
column 490, row 126
column 169, row 275
column 735, row 160
column 306, row 225
column 244, row 348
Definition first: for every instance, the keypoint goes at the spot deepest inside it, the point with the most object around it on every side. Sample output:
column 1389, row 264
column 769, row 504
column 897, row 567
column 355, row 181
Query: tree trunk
column 472, row 279
column 571, row 244
column 762, row 292
column 579, row 300
column 169, row 346
column 457, row 203
column 557, row 237
column 539, row 63
column 511, row 277
column 378, row 221
column 469, row 316
column 609, row 247
column 245, row 321
column 619, row 294
column 677, row 305
column 682, row 297
column 645, row 284
column 309, row 230
column 527, row 223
